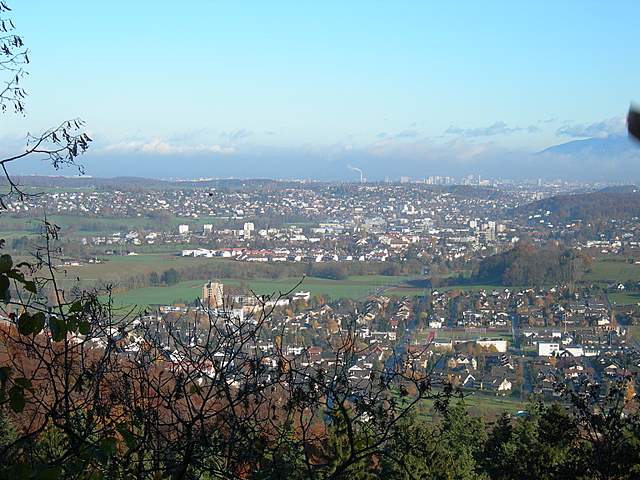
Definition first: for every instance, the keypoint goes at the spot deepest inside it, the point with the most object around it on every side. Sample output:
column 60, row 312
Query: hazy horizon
column 304, row 91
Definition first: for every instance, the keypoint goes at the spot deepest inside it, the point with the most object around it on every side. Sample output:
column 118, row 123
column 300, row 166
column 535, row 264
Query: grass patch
column 115, row 268
column 609, row 270
column 482, row 404
column 352, row 287
column 634, row 331
column 622, row 298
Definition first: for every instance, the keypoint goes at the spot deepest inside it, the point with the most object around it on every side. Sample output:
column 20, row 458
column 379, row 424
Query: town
column 431, row 243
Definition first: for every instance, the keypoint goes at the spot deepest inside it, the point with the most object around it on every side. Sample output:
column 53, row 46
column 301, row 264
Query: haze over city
column 303, row 90
column 338, row 240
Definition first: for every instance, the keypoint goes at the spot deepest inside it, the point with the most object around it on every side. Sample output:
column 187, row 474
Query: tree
column 60, row 145
column 538, row 446
column 212, row 408
column 13, row 58
column 170, row 277
column 154, row 278
column 608, row 430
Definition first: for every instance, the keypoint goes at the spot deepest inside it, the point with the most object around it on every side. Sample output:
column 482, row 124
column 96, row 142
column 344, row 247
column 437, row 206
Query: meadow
column 116, row 267
column 483, row 405
column 352, row 287
column 608, row 270
column 622, row 298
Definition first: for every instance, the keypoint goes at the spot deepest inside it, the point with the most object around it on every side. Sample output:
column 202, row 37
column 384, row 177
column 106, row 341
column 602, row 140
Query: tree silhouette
column 60, row 145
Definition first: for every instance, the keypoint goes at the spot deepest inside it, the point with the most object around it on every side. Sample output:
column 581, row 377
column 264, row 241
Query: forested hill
column 621, row 189
column 618, row 203
column 528, row 266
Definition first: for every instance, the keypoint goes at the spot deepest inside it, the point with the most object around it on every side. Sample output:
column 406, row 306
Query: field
column 607, row 270
column 621, row 298
column 352, row 287
column 635, row 332
column 115, row 267
column 488, row 406
column 484, row 405
column 474, row 287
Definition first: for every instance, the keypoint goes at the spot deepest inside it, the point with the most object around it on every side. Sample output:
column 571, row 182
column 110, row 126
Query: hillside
column 619, row 203
column 612, row 145
column 526, row 265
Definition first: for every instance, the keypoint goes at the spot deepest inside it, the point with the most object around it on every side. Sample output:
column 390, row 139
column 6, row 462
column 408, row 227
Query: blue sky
column 401, row 79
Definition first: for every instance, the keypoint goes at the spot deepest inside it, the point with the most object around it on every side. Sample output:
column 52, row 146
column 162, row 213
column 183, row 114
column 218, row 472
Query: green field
column 621, row 298
column 607, row 270
column 116, row 267
column 490, row 405
column 404, row 291
column 484, row 405
column 352, row 287
column 634, row 330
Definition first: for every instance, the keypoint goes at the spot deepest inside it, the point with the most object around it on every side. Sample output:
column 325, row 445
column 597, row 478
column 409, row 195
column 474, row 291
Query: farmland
column 188, row 291
column 116, row 269
column 482, row 405
column 607, row 270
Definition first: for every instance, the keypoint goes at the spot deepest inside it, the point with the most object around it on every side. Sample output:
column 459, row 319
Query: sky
column 305, row 89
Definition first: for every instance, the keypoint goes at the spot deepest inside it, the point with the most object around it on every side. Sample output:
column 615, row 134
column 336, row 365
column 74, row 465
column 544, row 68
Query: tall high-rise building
column 213, row 294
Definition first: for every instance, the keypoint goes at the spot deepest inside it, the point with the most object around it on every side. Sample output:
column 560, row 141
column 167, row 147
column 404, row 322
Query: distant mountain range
column 612, row 145
column 613, row 158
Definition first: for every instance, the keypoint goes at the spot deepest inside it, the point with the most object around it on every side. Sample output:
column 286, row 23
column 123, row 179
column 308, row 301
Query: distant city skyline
column 292, row 90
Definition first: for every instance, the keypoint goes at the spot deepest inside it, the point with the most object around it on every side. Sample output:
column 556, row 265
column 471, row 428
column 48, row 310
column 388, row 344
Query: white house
column 548, row 349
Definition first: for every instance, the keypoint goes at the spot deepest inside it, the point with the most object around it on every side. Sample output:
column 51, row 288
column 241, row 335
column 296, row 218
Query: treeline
column 526, row 265
column 273, row 271
column 63, row 182
column 548, row 441
column 588, row 207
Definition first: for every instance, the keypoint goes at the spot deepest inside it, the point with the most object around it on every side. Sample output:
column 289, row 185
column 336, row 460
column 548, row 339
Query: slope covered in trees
column 588, row 207
column 526, row 265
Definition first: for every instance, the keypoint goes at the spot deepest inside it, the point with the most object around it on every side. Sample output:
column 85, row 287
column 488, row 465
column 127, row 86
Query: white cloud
column 497, row 128
column 602, row 129
column 455, row 150
column 161, row 147
column 236, row 135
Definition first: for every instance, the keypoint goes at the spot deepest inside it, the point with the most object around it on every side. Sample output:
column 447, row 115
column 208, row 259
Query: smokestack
column 356, row 169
